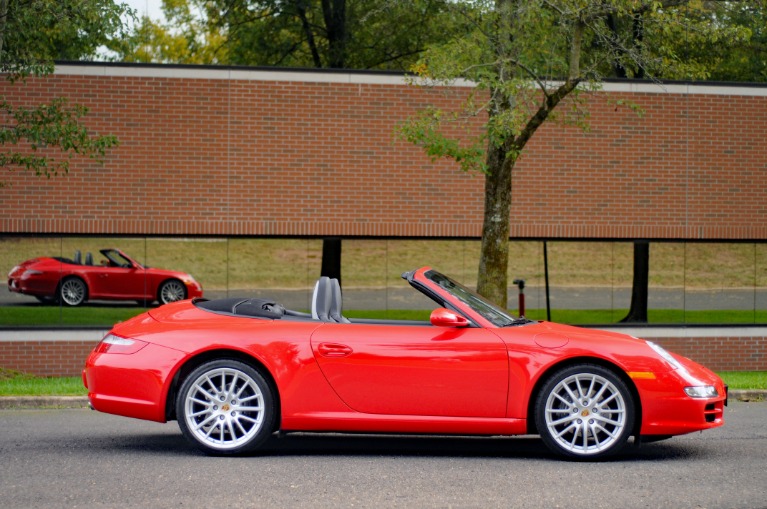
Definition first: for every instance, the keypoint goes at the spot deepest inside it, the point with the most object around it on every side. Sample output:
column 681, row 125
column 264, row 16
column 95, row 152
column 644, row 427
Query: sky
column 151, row 7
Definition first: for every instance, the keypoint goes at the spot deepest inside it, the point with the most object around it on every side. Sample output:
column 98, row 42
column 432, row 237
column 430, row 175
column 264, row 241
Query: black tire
column 171, row 290
column 73, row 291
column 585, row 412
column 226, row 407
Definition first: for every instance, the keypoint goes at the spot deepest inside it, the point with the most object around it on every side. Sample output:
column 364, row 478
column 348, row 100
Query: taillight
column 119, row 345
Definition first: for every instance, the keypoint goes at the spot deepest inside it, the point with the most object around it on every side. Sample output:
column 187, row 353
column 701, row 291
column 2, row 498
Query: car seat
column 336, row 306
column 321, row 299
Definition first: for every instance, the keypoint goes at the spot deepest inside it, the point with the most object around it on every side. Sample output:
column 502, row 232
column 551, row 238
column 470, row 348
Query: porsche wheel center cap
column 225, row 408
column 585, row 412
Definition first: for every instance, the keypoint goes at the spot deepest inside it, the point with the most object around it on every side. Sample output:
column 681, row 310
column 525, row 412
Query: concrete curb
column 749, row 395
column 40, row 402
column 49, row 402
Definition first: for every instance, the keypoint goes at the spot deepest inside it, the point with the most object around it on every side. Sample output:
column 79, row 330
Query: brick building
column 214, row 151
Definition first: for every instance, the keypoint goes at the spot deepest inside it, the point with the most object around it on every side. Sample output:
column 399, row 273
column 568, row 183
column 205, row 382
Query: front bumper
column 668, row 410
column 193, row 289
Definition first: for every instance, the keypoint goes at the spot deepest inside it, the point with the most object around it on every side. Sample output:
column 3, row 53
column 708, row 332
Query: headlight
column 30, row 272
column 666, row 356
column 703, row 391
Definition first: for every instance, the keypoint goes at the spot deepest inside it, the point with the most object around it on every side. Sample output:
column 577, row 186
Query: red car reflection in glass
column 113, row 276
column 234, row 371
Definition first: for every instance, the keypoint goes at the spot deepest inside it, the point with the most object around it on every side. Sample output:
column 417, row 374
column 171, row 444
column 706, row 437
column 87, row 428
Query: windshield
column 116, row 258
column 487, row 309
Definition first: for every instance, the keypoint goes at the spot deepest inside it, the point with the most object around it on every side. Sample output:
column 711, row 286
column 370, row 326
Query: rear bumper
column 13, row 286
column 132, row 385
column 37, row 285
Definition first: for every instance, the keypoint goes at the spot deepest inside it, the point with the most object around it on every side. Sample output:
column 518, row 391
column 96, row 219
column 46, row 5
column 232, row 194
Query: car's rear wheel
column 171, row 291
column 73, row 291
column 585, row 412
column 226, row 407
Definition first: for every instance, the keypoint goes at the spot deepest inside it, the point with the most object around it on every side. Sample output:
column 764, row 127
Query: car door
column 119, row 282
column 414, row 369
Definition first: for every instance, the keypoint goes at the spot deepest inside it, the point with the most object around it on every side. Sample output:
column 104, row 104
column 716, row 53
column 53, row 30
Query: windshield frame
column 468, row 297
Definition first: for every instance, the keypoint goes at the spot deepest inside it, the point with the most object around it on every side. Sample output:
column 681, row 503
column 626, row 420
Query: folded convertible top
column 261, row 308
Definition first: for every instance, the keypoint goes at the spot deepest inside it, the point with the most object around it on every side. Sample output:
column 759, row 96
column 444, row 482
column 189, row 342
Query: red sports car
column 235, row 371
column 115, row 276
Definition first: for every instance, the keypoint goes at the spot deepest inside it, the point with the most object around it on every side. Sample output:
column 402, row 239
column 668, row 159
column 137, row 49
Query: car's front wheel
column 171, row 291
column 73, row 291
column 585, row 412
column 226, row 407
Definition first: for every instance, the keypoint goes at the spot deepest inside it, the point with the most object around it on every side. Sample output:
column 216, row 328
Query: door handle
column 334, row 350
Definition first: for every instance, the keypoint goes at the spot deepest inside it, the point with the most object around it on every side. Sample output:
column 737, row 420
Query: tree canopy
column 530, row 61
column 353, row 34
column 34, row 33
column 387, row 34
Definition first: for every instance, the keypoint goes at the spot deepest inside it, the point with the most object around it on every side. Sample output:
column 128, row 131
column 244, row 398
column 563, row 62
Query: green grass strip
column 25, row 316
column 18, row 316
column 746, row 380
column 14, row 383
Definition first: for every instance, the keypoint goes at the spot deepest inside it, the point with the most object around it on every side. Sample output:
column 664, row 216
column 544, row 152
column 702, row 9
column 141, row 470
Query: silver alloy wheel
column 72, row 291
column 171, row 291
column 586, row 414
column 224, row 408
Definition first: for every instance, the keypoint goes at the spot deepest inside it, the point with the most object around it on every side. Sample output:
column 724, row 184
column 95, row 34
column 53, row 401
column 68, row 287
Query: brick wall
column 45, row 358
column 67, row 358
column 729, row 353
column 251, row 152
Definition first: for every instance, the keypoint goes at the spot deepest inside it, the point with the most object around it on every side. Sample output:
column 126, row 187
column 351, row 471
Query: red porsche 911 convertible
column 234, row 371
column 115, row 276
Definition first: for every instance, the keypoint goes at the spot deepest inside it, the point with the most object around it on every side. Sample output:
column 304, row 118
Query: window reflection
column 589, row 281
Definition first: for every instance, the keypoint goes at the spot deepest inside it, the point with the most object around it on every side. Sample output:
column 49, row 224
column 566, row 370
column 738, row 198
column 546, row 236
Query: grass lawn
column 14, row 383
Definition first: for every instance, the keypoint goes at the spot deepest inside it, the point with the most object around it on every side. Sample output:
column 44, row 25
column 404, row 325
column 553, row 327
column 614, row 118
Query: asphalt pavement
column 80, row 458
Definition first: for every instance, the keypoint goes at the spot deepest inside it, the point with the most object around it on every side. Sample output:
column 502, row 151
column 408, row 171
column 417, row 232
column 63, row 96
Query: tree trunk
column 502, row 155
column 334, row 13
column 494, row 255
column 639, row 289
column 3, row 23
column 309, row 33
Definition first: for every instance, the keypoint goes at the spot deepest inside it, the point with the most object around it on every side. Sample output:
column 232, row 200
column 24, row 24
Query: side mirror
column 442, row 317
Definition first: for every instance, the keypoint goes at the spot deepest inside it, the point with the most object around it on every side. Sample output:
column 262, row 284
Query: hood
column 558, row 342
